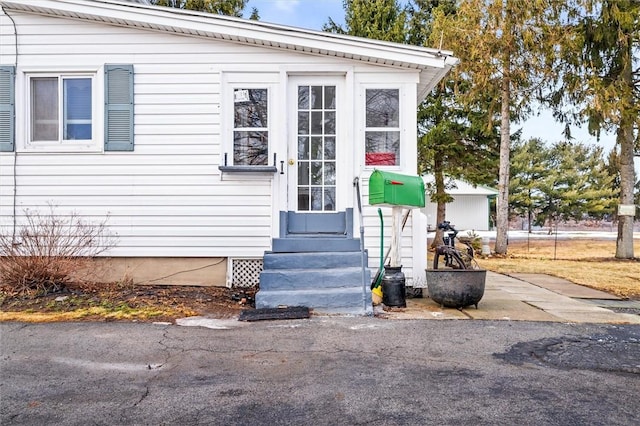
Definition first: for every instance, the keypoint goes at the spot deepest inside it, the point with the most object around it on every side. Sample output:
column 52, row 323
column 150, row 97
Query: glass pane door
column 316, row 134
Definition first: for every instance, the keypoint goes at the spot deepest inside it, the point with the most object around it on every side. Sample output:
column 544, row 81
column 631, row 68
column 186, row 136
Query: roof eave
column 426, row 84
column 240, row 30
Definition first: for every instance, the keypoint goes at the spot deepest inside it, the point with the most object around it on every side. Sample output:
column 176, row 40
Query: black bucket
column 393, row 287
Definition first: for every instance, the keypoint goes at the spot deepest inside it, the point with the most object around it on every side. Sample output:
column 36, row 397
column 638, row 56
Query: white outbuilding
column 470, row 208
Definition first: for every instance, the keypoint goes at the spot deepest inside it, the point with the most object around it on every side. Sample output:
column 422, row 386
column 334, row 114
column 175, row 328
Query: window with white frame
column 382, row 127
column 250, row 126
column 61, row 109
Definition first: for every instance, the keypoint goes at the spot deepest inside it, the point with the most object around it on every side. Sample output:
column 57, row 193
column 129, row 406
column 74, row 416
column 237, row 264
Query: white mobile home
column 206, row 140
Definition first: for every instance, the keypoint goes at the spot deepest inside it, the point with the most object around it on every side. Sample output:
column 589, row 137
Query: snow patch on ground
column 213, row 323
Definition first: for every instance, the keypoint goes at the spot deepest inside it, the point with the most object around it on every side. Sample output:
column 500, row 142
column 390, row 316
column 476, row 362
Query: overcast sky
column 312, row 14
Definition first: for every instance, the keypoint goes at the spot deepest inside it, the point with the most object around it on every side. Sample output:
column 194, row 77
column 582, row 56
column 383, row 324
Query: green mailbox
column 394, row 189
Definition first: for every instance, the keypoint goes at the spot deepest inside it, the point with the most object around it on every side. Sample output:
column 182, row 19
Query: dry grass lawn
column 586, row 262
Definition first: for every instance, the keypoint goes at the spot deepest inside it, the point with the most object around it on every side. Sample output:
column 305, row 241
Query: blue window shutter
column 118, row 108
column 7, row 107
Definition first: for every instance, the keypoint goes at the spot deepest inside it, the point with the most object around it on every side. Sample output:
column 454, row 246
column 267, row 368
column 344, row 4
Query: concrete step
column 346, row 301
column 301, row 279
column 314, row 244
column 320, row 272
column 313, row 260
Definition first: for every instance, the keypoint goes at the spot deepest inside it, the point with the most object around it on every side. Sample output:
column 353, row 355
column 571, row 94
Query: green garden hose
column 378, row 278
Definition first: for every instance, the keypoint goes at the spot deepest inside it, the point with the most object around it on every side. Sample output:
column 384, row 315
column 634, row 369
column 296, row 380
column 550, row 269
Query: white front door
column 315, row 141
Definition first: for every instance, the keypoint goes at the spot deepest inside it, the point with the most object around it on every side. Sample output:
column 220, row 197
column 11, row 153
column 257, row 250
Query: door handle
column 292, row 161
column 281, row 167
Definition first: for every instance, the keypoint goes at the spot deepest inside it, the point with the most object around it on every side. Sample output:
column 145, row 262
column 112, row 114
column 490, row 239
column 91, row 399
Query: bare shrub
column 48, row 250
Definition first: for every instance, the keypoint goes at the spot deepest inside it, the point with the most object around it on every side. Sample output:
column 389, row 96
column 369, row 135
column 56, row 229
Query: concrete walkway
column 527, row 297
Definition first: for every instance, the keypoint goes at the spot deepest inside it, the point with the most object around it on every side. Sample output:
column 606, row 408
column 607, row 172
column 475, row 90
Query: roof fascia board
column 235, row 29
column 425, row 89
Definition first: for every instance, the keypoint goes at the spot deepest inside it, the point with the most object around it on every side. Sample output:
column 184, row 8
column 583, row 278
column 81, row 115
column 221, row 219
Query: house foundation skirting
column 207, row 271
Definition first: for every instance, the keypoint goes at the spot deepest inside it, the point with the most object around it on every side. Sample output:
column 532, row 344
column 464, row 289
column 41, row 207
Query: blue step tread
column 313, row 260
column 352, row 301
column 316, row 244
column 313, row 278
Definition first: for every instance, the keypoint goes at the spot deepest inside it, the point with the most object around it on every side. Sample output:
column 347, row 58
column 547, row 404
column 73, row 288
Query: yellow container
column 376, row 295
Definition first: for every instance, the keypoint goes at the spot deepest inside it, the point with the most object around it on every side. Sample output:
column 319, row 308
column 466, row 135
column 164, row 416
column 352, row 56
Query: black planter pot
column 456, row 288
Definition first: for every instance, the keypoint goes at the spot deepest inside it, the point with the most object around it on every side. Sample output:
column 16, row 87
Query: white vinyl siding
column 167, row 197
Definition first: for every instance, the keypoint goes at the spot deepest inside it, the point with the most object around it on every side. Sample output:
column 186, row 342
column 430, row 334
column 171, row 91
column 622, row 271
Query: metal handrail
column 365, row 285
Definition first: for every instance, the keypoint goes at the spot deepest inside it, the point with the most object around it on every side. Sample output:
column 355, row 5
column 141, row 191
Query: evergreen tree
column 220, row 7
column 600, row 83
column 585, row 182
column 255, row 15
column 421, row 18
column 507, row 49
column 452, row 140
column 527, row 169
column 376, row 19
column 567, row 181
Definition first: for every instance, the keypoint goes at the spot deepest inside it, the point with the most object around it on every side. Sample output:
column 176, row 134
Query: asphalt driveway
column 324, row 370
